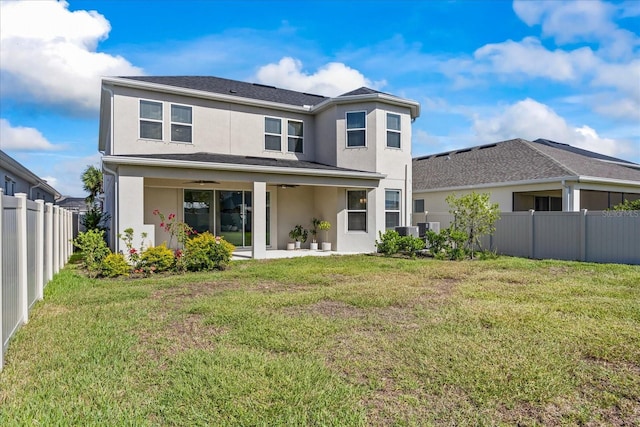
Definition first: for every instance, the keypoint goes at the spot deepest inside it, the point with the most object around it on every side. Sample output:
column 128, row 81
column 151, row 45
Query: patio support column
column 259, row 220
column 131, row 212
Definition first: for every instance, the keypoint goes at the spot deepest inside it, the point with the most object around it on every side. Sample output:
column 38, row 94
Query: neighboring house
column 521, row 175
column 248, row 162
column 15, row 178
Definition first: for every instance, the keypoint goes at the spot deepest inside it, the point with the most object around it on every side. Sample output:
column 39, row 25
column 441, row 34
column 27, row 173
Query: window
column 294, row 134
column 357, row 210
column 9, row 186
column 418, row 206
column 272, row 134
column 150, row 120
column 393, row 130
column 392, row 208
column 356, row 125
column 181, row 123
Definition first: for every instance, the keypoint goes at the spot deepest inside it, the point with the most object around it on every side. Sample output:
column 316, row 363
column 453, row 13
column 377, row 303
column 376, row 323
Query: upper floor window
column 393, row 130
column 181, row 123
column 9, row 186
column 294, row 136
column 357, row 210
column 356, row 125
column 273, row 134
column 150, row 120
column 392, row 208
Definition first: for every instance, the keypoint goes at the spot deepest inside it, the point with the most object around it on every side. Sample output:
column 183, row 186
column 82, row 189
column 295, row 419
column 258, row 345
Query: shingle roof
column 235, row 88
column 242, row 160
column 362, row 91
column 514, row 160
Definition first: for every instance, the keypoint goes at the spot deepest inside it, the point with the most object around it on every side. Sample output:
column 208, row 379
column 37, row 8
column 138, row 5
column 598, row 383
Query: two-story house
column 15, row 178
column 248, row 162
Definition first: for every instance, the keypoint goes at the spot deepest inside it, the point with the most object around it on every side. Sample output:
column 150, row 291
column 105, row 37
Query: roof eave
column 560, row 179
column 235, row 167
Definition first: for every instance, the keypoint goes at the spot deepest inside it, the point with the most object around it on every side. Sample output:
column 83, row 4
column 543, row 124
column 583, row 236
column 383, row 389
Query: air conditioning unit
column 433, row 226
column 407, row 231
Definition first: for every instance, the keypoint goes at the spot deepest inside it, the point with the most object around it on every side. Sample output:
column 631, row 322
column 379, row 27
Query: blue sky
column 483, row 71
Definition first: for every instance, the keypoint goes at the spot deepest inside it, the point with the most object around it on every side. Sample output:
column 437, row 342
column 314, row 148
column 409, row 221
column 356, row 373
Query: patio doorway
column 225, row 213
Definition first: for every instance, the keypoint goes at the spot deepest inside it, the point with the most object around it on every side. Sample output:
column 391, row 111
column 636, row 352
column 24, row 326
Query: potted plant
column 325, row 226
column 315, row 223
column 298, row 234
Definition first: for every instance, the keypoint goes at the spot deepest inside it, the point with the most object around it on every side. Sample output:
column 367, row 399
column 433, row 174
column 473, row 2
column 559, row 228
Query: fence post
column 1, row 286
column 49, row 243
column 21, row 234
column 532, row 243
column 56, row 238
column 40, row 249
column 583, row 235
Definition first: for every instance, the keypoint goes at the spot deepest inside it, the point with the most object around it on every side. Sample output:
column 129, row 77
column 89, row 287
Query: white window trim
column 140, row 119
column 399, row 210
column 365, row 210
column 346, row 135
column 301, row 138
column 264, row 140
column 171, row 123
column 393, row 130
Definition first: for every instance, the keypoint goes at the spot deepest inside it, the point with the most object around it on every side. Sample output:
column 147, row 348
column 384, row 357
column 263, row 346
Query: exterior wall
column 217, row 127
column 295, row 206
column 21, row 185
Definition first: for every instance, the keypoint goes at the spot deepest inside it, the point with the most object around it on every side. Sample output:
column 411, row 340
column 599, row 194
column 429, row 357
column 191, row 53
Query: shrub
column 115, row 265
column 207, row 252
column 392, row 243
column 389, row 242
column 159, row 257
column 94, row 250
column 448, row 244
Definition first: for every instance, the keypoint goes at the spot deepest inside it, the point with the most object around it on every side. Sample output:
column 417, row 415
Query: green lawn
column 357, row 340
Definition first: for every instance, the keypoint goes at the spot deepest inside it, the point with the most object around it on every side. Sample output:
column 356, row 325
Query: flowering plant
column 133, row 254
column 178, row 229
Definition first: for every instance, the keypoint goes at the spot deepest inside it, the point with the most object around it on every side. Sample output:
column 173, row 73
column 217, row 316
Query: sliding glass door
column 223, row 213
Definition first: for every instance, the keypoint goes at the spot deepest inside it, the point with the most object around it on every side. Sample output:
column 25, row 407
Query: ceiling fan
column 202, row 182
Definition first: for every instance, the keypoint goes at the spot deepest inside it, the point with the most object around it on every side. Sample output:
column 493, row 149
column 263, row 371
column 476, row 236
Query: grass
column 355, row 340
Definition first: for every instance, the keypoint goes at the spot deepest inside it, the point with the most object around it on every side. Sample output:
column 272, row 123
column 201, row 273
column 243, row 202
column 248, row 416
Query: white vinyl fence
column 35, row 243
column 593, row 236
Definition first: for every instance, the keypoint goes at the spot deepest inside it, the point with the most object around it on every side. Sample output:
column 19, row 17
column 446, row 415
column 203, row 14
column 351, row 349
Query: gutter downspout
column 406, row 196
column 116, row 215
column 114, row 231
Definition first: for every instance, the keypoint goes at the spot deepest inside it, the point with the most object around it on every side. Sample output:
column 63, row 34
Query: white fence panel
column 598, row 236
column 34, row 245
column 11, row 307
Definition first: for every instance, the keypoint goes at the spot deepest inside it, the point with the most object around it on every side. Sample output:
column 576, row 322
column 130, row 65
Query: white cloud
column 21, row 138
column 578, row 21
column 48, row 54
column 531, row 120
column 333, row 79
column 529, row 57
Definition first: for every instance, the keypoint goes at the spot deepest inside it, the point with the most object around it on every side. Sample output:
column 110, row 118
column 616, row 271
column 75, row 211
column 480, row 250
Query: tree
column 92, row 183
column 475, row 215
column 628, row 205
column 94, row 218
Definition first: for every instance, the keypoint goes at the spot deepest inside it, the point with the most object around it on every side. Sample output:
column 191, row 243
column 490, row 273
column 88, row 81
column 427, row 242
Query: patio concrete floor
column 277, row 254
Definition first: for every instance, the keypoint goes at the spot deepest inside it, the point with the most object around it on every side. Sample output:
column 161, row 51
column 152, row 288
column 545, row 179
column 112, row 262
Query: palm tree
column 92, row 183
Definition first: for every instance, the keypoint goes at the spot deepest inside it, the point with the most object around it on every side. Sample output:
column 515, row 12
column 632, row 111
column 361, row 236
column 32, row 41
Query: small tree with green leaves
column 475, row 215
column 628, row 205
